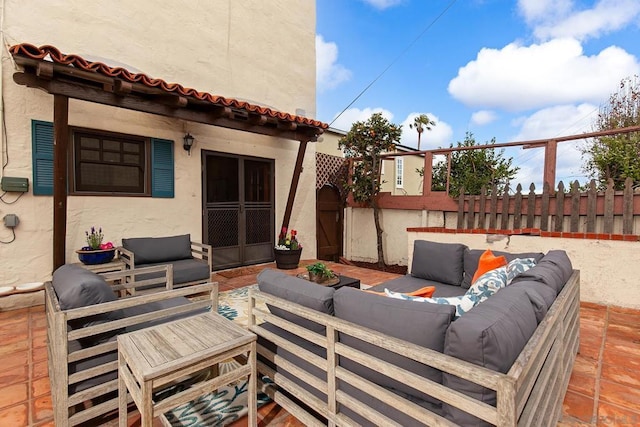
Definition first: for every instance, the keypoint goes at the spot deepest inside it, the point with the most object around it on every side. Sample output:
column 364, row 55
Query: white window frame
column 399, row 172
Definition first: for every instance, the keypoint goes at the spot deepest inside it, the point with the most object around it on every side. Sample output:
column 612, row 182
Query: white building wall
column 263, row 52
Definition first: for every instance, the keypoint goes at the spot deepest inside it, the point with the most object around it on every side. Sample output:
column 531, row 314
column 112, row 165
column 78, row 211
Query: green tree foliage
column 421, row 123
column 617, row 156
column 473, row 169
column 365, row 142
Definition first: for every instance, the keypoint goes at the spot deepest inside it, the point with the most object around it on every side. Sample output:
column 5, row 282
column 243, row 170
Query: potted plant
column 96, row 252
column 288, row 250
column 319, row 272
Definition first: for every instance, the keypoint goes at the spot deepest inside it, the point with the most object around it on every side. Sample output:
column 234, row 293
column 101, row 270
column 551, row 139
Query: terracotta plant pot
column 287, row 259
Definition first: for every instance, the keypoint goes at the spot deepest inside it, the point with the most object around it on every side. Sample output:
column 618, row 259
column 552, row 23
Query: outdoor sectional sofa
column 353, row 357
column 85, row 313
column 191, row 261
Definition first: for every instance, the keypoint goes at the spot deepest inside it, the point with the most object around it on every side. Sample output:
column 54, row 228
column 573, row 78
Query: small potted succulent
column 96, row 252
column 319, row 272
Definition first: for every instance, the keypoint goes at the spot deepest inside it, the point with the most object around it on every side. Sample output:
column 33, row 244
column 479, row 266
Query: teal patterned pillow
column 488, row 284
column 462, row 303
column 518, row 266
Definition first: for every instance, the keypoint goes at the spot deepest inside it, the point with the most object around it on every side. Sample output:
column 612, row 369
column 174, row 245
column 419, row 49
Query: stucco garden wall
column 263, row 52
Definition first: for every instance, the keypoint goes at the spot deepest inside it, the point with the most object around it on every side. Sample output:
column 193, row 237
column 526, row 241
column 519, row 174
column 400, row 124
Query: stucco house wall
column 261, row 52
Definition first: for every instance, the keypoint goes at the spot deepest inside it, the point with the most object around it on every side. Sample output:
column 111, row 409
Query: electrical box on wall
column 20, row 185
column 11, row 220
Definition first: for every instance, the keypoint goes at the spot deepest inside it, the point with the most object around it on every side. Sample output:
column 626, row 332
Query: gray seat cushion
column 408, row 283
column 439, row 262
column 184, row 271
column 77, row 287
column 472, row 257
column 149, row 250
column 299, row 291
column 424, row 324
column 491, row 335
column 554, row 269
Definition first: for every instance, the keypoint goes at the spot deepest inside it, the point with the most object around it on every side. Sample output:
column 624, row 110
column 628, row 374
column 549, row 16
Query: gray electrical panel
column 20, row 185
column 11, row 220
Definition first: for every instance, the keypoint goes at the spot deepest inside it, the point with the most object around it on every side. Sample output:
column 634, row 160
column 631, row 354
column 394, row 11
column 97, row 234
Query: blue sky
column 510, row 69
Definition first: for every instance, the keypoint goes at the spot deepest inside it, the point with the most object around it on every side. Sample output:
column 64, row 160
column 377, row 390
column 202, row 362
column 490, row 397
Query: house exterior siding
column 261, row 52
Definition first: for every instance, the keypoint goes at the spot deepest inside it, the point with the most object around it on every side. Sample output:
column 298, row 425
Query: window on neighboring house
column 105, row 163
column 399, row 172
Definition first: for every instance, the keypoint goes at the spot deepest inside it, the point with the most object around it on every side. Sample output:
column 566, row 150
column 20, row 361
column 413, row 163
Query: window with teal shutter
column 42, row 155
column 162, row 168
column 103, row 163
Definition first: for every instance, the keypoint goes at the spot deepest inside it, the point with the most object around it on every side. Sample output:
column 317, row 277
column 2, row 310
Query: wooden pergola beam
column 297, row 170
column 60, row 146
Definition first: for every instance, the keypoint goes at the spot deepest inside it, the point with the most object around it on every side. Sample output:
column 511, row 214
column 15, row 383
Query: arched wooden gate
column 330, row 222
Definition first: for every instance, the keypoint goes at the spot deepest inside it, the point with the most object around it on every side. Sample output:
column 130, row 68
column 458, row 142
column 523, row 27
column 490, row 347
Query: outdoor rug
column 229, row 403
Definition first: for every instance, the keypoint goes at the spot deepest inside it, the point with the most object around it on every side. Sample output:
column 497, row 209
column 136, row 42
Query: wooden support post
column 60, row 144
column 294, row 184
column 427, row 176
column 550, row 154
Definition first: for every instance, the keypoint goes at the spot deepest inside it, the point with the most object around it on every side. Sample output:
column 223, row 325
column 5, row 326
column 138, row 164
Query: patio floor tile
column 578, row 406
column 612, row 415
column 17, row 415
column 619, row 394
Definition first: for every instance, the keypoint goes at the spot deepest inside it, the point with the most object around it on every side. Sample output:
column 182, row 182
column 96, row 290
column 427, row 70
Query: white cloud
column 483, row 117
column 539, row 10
column 329, row 73
column 519, row 77
column 547, row 123
column 383, row 4
column 606, row 16
column 352, row 115
column 439, row 135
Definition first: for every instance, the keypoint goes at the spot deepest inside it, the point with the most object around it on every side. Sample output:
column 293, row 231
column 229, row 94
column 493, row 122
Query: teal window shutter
column 42, row 157
column 162, row 168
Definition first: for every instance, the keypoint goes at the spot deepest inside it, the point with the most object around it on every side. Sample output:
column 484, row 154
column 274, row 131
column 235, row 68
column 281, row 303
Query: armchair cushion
column 148, row 250
column 439, row 262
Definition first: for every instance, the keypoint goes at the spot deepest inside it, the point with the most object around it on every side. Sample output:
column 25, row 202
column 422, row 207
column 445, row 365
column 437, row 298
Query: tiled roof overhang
column 47, row 68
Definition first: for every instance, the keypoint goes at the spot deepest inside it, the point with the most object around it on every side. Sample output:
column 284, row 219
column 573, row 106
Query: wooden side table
column 151, row 358
column 116, row 265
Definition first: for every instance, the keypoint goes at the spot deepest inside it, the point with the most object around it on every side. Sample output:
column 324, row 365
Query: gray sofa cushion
column 554, row 269
column 77, row 287
column 440, row 262
column 420, row 323
column 299, row 291
column 472, row 257
column 491, row 335
column 148, row 250
column 184, row 271
column 408, row 283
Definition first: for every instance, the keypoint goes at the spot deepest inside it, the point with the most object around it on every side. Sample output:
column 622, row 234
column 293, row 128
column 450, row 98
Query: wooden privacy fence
column 564, row 210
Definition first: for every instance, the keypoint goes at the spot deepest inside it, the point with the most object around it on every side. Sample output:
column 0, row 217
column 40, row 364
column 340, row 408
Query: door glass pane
column 257, row 180
column 222, row 179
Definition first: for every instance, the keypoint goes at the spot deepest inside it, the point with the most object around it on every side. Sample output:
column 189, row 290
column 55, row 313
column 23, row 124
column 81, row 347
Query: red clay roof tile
column 34, row 52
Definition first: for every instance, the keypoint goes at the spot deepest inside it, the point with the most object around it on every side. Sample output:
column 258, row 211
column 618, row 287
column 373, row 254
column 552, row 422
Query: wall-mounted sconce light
column 188, row 142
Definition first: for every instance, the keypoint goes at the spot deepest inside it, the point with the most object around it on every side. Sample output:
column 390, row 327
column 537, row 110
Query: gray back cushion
column 491, row 335
column 299, row 291
column 77, row 287
column 421, row 323
column 554, row 269
column 472, row 258
column 440, row 262
column 545, row 292
column 149, row 250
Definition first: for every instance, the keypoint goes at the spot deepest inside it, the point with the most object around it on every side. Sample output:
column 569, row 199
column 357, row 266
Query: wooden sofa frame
column 73, row 409
column 198, row 250
column 529, row 394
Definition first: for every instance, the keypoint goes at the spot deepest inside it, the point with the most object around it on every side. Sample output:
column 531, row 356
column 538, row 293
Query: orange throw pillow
column 488, row 261
column 425, row 292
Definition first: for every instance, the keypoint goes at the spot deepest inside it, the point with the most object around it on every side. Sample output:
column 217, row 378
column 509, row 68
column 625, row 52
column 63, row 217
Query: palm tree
column 421, row 123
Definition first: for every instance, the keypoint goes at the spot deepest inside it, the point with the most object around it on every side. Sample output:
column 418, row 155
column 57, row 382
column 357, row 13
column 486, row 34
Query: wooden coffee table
column 347, row 281
column 152, row 358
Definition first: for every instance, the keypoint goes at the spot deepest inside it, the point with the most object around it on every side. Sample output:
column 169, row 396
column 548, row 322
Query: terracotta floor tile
column 616, row 358
column 17, row 346
column 623, row 332
column 622, row 346
column 590, row 347
column 40, row 369
column 621, row 395
column 11, row 327
column 38, row 321
column 40, row 387
column 19, row 337
column 621, row 374
column 625, row 310
column 583, row 384
column 37, row 309
column 572, row 422
column 39, row 354
column 46, row 424
column 585, row 366
column 41, row 408
column 15, row 416
column 14, row 375
column 13, row 394
column 624, row 319
column 14, row 360
column 611, row 415
column 578, row 406
column 13, row 314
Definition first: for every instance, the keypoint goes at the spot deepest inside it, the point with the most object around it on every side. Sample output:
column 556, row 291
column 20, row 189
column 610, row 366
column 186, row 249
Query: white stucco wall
column 263, row 52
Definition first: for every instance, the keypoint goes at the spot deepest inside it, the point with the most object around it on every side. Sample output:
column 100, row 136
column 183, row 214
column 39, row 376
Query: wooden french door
column 238, row 208
column 329, row 223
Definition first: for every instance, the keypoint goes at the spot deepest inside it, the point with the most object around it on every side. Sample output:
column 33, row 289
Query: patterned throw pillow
column 462, row 303
column 518, row 266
